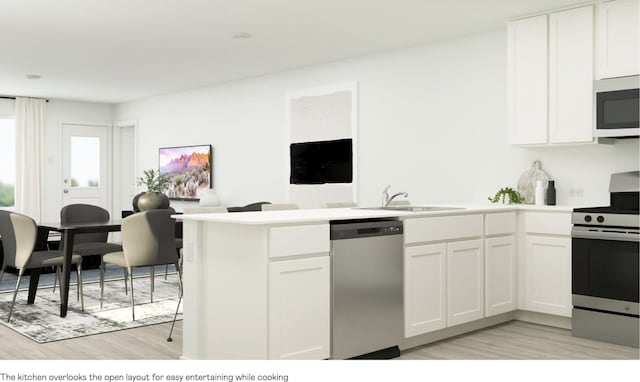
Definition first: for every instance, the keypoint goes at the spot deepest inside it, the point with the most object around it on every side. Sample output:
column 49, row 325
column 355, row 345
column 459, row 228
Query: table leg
column 34, row 277
column 66, row 271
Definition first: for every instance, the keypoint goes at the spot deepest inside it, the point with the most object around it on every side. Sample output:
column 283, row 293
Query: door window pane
column 7, row 162
column 85, row 162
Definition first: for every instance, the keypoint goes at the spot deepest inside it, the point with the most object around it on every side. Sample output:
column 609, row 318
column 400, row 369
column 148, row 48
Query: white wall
column 432, row 122
column 59, row 112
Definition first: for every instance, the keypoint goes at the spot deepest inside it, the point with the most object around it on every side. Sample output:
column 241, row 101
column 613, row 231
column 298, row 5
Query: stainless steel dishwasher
column 366, row 288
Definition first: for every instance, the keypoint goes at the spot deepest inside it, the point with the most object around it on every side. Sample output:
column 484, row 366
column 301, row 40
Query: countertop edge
column 329, row 214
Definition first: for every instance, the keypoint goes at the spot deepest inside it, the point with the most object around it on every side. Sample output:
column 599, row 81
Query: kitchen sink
column 413, row 208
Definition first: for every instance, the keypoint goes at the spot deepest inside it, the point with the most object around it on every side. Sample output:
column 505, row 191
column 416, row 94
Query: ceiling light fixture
column 241, row 35
column 33, row 76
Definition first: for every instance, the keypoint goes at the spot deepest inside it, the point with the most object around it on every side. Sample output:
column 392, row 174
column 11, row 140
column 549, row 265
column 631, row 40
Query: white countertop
column 328, row 214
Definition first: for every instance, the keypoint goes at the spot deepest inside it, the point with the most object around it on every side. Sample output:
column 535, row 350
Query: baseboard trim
column 518, row 315
column 543, row 319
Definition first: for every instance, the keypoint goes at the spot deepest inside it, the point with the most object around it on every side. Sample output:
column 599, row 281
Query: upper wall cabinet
column 550, row 78
column 527, row 79
column 571, row 76
column 617, row 39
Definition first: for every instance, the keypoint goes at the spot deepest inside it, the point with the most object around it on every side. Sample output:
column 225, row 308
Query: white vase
column 209, row 198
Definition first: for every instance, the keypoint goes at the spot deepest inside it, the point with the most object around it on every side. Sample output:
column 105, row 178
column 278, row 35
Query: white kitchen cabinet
column 299, row 308
column 617, row 39
column 424, row 289
column 550, row 78
column 500, row 275
column 527, row 78
column 571, row 75
column 465, row 281
column 547, row 264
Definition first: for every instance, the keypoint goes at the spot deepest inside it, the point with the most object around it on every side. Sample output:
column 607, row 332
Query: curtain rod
column 13, row 97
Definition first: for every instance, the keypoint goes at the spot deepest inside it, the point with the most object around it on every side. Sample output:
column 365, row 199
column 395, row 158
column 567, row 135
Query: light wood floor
column 512, row 340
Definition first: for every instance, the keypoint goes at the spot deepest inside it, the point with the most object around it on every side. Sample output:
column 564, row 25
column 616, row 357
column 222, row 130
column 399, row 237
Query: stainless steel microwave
column 617, row 107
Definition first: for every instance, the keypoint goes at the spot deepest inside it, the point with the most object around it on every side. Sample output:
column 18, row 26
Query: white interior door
column 85, row 165
column 124, row 166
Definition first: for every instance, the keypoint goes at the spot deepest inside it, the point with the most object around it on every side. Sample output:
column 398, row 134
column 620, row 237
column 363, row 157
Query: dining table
column 68, row 231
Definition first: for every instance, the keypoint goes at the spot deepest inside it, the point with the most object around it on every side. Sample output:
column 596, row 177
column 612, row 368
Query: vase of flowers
column 153, row 198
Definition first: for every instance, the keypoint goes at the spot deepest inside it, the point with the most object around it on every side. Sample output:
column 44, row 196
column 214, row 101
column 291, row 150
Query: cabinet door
column 571, row 75
column 465, row 281
column 500, row 275
column 299, row 310
column 527, row 78
column 424, row 289
column 618, row 39
column 548, row 275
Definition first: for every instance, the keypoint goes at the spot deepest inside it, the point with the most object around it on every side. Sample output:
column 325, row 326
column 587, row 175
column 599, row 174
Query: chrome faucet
column 386, row 200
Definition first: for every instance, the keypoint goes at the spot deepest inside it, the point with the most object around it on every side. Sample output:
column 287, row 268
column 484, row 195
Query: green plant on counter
column 507, row 194
column 154, row 181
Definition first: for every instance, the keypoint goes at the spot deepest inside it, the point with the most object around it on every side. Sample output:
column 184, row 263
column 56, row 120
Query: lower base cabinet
column 548, row 275
column 499, row 275
column 299, row 308
column 425, row 289
column 465, row 281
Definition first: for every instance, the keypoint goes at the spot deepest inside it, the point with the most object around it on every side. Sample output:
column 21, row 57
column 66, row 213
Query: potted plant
column 153, row 198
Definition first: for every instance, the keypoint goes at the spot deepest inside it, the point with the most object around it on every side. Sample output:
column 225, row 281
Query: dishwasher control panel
column 352, row 229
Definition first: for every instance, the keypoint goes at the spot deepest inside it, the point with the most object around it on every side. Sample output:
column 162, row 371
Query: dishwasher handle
column 361, row 229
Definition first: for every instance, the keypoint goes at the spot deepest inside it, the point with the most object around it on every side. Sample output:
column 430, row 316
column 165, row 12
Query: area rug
column 42, row 323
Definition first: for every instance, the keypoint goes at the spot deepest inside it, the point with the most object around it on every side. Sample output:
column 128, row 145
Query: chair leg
column 133, row 313
column 179, row 269
column 102, row 282
column 166, row 271
column 79, row 271
column 55, row 279
column 1, row 274
column 126, row 276
column 15, row 293
column 153, row 281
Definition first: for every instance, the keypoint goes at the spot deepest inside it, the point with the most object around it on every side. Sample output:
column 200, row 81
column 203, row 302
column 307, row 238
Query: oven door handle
column 604, row 235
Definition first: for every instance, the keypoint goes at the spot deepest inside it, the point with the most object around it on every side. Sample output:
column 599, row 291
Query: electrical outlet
column 575, row 192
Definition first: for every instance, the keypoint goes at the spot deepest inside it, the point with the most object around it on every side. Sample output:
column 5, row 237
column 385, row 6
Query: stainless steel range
column 605, row 268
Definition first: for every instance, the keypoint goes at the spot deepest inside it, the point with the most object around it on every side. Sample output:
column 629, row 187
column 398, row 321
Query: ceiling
column 121, row 50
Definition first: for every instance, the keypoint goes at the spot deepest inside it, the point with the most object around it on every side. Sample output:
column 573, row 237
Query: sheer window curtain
column 30, row 115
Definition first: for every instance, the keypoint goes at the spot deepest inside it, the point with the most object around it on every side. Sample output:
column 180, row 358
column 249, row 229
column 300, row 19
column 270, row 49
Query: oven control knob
column 600, row 219
column 587, row 218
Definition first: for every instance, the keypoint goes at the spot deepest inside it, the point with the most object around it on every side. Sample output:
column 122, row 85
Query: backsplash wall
column 432, row 122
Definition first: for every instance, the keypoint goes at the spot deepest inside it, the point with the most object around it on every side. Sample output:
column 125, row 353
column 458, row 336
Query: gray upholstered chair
column 87, row 244
column 281, row 206
column 147, row 240
column 19, row 234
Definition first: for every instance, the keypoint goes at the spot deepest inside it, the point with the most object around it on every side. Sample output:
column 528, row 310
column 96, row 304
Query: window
column 7, row 162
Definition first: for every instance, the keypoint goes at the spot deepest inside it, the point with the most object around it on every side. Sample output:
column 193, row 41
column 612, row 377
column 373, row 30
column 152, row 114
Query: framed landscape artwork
column 189, row 169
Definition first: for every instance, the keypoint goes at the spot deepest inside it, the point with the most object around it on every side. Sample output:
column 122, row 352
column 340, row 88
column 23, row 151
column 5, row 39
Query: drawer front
column 298, row 240
column 500, row 223
column 442, row 228
column 548, row 223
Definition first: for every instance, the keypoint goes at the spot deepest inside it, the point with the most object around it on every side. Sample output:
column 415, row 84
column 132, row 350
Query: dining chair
column 88, row 244
column 147, row 240
column 19, row 234
column 279, row 206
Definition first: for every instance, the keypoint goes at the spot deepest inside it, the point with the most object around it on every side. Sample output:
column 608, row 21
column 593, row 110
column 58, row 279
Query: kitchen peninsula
column 257, row 284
